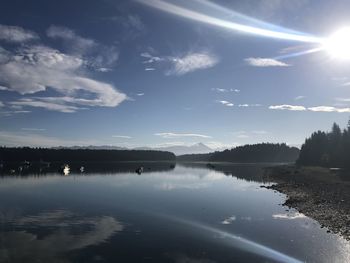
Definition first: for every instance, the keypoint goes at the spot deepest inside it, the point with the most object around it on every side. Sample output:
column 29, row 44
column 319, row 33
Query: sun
column 338, row 44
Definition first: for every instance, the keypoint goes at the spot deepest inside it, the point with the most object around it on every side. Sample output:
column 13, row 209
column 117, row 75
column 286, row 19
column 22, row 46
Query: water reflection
column 47, row 236
column 77, row 218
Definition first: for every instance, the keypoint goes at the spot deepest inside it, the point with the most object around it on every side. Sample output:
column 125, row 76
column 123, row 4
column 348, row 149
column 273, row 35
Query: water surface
column 184, row 214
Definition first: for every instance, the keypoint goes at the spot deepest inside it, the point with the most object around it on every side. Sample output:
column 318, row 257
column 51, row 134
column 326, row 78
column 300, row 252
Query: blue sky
column 151, row 73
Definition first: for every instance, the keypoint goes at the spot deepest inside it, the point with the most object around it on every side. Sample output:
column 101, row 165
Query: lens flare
column 265, row 30
column 338, row 44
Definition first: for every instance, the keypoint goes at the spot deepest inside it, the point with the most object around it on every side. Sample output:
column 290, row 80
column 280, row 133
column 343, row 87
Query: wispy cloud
column 169, row 135
column 246, row 105
column 33, row 129
column 95, row 54
column 314, row 109
column 265, row 62
column 122, row 136
column 140, row 94
column 52, row 106
column 16, row 34
column 192, row 62
column 180, row 65
column 329, row 109
column 225, row 90
column 226, row 103
column 2, row 87
column 36, row 68
column 287, row 107
column 2, row 104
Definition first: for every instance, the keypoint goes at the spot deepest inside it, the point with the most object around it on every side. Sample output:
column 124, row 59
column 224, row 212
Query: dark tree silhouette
column 254, row 153
column 328, row 149
column 80, row 155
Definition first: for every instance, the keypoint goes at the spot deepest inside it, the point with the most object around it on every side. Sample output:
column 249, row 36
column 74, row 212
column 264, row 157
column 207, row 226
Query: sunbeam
column 205, row 18
column 239, row 242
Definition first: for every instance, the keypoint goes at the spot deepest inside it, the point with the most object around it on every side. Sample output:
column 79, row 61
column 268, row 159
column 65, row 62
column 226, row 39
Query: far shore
column 320, row 193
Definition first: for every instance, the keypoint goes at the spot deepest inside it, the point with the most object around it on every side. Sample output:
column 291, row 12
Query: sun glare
column 338, row 44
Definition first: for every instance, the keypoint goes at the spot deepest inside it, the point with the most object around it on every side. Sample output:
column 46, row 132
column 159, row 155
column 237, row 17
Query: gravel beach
column 320, row 193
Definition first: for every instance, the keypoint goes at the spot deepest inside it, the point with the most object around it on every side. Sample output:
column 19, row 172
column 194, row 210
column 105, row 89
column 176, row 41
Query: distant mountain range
column 197, row 148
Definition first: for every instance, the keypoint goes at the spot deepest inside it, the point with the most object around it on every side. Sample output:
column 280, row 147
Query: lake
column 188, row 213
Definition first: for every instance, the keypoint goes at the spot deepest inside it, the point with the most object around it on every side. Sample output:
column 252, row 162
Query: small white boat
column 66, row 169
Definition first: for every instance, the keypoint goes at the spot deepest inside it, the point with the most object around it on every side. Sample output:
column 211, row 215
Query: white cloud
column 192, row 62
column 3, row 88
column 328, row 109
column 225, row 90
column 16, row 34
column 96, row 55
column 180, row 65
column 140, row 94
column 287, row 107
column 299, row 97
column 169, row 135
column 245, row 105
column 37, row 68
column 226, row 103
column 314, row 109
column 150, row 58
column 33, row 129
column 103, row 69
column 265, row 62
column 121, row 136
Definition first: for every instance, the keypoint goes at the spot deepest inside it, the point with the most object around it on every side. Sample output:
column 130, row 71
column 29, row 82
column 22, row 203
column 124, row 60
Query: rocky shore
column 320, row 193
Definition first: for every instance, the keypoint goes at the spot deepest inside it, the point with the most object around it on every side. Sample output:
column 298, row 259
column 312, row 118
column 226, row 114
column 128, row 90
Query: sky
column 161, row 73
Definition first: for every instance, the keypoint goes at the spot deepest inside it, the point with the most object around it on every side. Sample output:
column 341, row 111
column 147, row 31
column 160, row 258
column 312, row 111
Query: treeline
column 80, row 155
column 328, row 149
column 253, row 153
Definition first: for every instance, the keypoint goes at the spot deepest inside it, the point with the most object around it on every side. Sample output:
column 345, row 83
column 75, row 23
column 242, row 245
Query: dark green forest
column 251, row 153
column 327, row 149
column 80, row 155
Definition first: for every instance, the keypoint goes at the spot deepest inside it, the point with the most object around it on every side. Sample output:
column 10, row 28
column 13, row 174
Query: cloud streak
column 16, row 34
column 182, row 64
column 265, row 62
column 121, row 136
column 192, row 62
column 287, row 107
column 170, row 135
column 313, row 109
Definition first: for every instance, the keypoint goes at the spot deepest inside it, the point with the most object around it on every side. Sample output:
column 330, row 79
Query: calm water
column 186, row 214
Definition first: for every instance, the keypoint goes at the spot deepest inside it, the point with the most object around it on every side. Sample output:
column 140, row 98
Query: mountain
column 192, row 149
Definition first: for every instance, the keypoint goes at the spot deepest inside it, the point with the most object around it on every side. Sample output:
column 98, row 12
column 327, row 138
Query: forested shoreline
column 327, row 149
column 250, row 153
column 21, row 154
